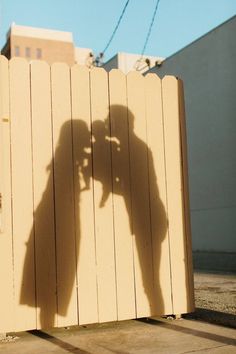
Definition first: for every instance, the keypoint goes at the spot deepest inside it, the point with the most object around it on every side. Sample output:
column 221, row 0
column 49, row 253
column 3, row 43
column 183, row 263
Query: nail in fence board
column 84, row 207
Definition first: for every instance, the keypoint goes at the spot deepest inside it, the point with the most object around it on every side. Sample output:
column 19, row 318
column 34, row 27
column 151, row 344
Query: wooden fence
column 94, row 196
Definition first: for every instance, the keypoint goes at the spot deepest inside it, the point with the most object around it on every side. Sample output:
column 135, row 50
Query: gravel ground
column 216, row 292
column 215, row 298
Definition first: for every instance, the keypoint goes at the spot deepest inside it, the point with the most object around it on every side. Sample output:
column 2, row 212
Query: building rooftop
column 33, row 32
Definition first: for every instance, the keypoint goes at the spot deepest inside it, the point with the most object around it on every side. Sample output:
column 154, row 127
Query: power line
column 98, row 59
column 150, row 28
column 116, row 27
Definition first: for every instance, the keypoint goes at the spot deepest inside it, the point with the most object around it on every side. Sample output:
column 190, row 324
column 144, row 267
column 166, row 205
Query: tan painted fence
column 94, row 214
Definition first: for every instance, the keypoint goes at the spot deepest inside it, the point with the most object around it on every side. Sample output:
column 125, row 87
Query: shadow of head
column 99, row 130
column 77, row 130
column 120, row 120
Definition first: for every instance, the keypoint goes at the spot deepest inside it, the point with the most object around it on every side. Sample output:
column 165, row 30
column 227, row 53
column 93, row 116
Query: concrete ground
column 209, row 330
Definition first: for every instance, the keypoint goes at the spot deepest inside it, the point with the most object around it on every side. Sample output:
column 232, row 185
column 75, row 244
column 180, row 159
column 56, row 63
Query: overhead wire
column 116, row 27
column 150, row 28
column 98, row 59
column 138, row 65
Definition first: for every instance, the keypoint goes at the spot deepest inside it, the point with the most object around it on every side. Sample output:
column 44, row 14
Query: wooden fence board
column 187, row 218
column 64, row 195
column 121, row 196
column 6, row 222
column 84, row 208
column 140, row 195
column 158, row 202
column 103, row 209
column 22, row 196
column 175, row 193
column 6, row 255
column 43, row 195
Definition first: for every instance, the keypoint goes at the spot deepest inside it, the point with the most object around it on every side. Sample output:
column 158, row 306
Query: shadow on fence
column 106, row 136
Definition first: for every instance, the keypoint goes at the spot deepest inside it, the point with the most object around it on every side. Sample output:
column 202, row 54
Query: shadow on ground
column 214, row 317
column 57, row 342
column 191, row 331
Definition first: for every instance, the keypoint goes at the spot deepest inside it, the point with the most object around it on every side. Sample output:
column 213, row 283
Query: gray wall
column 208, row 69
column 111, row 64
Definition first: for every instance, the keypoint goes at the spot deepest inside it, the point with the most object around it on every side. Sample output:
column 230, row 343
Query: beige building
column 44, row 44
column 127, row 62
column 207, row 67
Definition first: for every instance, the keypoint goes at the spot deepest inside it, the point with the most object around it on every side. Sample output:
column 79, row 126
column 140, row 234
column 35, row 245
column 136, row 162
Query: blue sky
column 178, row 22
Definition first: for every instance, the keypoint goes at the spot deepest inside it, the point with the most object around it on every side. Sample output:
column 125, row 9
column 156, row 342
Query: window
column 38, row 53
column 17, row 51
column 27, row 52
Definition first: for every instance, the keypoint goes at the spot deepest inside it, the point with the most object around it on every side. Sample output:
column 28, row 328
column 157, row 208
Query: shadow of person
column 53, row 242
column 147, row 216
column 102, row 144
